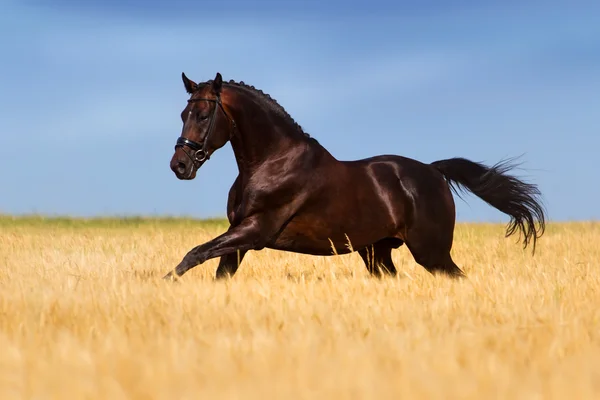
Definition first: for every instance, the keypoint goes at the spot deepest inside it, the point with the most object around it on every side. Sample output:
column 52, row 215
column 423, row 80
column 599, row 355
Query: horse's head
column 207, row 126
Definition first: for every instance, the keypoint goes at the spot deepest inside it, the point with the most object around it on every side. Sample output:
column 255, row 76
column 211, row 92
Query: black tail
column 500, row 190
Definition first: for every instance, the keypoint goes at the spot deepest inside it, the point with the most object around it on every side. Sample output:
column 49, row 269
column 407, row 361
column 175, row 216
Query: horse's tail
column 500, row 190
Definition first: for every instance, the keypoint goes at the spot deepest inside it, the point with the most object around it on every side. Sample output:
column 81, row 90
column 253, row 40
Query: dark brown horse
column 291, row 194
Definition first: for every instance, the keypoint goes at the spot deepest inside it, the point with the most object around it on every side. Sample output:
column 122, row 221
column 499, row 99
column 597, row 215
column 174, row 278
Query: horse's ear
column 217, row 83
column 190, row 85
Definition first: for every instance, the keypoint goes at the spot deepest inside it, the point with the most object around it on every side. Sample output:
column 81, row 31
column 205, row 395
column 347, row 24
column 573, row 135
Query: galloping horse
column 291, row 194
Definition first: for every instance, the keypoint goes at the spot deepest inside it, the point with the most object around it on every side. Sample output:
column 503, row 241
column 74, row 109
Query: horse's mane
column 275, row 106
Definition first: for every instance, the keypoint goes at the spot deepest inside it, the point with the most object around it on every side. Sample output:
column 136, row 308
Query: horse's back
column 408, row 170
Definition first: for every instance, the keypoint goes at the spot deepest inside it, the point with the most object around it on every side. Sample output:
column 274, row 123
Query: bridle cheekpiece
column 200, row 154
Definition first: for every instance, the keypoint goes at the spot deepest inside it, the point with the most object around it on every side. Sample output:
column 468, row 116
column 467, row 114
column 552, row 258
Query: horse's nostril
column 180, row 167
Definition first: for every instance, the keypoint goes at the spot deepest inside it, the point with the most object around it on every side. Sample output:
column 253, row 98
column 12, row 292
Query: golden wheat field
column 86, row 315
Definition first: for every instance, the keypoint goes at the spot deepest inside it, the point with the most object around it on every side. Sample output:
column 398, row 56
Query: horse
column 291, row 194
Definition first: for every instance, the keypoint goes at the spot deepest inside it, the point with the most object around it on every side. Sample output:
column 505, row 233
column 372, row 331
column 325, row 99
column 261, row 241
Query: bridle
column 200, row 154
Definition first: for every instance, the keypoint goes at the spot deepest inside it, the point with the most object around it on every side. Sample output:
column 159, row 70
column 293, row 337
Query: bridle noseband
column 200, row 154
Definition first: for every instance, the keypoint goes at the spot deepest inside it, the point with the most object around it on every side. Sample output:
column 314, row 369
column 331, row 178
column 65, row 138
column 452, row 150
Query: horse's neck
column 254, row 144
column 253, row 147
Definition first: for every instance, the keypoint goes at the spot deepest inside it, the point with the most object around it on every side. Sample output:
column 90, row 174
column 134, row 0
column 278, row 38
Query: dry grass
column 84, row 314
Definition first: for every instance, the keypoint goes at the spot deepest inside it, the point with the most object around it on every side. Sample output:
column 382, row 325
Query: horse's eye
column 202, row 117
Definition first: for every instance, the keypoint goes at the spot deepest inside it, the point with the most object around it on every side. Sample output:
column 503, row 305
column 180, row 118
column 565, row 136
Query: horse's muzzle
column 183, row 168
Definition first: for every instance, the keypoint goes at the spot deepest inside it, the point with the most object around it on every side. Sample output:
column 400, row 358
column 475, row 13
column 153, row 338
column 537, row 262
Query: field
column 85, row 314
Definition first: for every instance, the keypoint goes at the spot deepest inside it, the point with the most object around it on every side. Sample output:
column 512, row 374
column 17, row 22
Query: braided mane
column 278, row 108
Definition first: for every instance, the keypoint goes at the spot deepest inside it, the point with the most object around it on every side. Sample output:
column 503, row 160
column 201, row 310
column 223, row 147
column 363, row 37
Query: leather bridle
column 200, row 154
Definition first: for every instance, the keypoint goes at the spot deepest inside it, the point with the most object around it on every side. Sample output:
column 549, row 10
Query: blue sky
column 90, row 94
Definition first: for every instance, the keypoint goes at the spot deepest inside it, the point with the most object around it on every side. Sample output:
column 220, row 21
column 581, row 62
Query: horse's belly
column 312, row 236
column 302, row 238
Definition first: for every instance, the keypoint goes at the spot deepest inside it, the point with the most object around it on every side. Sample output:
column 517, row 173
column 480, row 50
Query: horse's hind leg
column 431, row 250
column 436, row 261
column 229, row 264
column 378, row 257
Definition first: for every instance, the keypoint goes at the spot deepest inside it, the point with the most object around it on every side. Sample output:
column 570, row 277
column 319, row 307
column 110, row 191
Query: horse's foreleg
column 229, row 264
column 246, row 236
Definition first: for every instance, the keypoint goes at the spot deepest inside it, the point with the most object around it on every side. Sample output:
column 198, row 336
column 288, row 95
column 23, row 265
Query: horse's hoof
column 170, row 277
